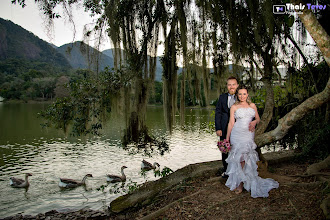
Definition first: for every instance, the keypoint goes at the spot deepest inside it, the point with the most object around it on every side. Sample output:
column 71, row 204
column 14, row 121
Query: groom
column 225, row 101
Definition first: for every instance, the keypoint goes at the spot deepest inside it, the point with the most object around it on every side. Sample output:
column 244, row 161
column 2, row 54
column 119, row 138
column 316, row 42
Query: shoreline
column 144, row 195
column 19, row 101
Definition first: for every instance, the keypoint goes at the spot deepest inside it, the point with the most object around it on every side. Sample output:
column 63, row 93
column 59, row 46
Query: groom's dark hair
column 232, row 77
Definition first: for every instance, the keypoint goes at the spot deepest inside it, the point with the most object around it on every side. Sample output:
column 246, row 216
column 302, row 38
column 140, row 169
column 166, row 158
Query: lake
column 49, row 154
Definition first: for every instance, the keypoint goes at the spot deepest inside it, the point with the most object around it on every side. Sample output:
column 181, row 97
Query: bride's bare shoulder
column 234, row 107
column 252, row 105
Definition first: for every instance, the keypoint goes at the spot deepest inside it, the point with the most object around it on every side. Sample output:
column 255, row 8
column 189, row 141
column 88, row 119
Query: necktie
column 231, row 101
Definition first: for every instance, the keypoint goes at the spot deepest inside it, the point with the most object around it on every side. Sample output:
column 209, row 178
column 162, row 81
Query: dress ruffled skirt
column 258, row 186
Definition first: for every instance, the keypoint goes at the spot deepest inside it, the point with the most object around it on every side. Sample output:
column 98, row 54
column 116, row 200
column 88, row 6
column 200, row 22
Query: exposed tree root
column 312, row 184
column 314, row 170
column 316, row 167
column 311, row 175
column 294, row 207
column 219, row 204
column 159, row 212
column 325, row 206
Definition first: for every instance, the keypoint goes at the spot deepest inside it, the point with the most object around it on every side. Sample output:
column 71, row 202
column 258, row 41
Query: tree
column 61, row 89
column 248, row 28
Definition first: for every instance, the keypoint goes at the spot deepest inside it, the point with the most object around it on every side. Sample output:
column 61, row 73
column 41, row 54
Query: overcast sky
column 30, row 18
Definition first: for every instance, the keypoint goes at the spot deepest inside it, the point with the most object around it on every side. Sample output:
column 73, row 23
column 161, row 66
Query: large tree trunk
column 269, row 106
column 285, row 123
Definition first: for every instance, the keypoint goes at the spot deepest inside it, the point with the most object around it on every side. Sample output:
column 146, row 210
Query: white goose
column 115, row 178
column 70, row 183
column 145, row 165
column 20, row 183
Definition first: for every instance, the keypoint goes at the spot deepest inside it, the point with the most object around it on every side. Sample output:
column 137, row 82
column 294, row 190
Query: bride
column 242, row 159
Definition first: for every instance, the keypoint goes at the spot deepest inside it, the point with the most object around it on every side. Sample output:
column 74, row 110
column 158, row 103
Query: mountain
column 109, row 52
column 83, row 56
column 18, row 43
column 21, row 50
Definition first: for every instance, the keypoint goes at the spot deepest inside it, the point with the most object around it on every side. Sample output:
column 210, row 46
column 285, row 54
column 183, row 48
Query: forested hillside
column 18, row 43
column 29, row 66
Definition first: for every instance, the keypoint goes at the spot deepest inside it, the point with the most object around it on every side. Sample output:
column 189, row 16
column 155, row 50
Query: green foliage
column 280, row 97
column 156, row 96
column 164, row 172
column 59, row 114
column 309, row 135
column 259, row 98
column 211, row 125
column 28, row 80
column 312, row 137
column 122, row 187
column 89, row 101
column 128, row 187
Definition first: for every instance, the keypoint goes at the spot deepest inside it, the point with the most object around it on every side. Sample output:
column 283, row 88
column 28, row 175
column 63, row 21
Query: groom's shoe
column 222, row 172
column 224, row 175
column 219, row 172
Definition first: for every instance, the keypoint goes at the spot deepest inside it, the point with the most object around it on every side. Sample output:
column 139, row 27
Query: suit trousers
column 224, row 163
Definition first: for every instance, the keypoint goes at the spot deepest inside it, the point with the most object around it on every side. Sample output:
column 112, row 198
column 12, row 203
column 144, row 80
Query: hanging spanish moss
column 182, row 20
column 170, row 78
column 128, row 20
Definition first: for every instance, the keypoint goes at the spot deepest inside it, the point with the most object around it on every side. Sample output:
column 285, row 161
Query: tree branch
column 285, row 123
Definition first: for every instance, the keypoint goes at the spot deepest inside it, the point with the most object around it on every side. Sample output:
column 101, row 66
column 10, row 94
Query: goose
column 145, row 165
column 115, row 178
column 20, row 183
column 70, row 183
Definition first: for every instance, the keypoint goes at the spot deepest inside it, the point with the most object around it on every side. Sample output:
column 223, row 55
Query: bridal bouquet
column 224, row 146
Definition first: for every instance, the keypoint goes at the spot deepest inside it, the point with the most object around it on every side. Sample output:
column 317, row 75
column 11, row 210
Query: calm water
column 48, row 154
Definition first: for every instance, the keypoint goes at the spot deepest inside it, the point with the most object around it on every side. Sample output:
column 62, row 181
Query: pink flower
column 224, row 146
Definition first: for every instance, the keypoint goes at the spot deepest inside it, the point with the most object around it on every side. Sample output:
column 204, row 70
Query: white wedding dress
column 243, row 149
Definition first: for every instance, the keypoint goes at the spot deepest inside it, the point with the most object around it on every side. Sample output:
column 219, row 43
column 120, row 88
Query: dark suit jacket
column 222, row 114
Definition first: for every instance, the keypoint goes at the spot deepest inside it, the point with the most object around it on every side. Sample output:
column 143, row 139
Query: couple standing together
column 235, row 120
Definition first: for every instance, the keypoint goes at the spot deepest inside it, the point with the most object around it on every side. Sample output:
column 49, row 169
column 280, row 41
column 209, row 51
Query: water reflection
column 49, row 154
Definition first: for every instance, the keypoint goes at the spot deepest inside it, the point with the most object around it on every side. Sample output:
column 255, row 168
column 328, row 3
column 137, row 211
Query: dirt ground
column 296, row 198
column 209, row 198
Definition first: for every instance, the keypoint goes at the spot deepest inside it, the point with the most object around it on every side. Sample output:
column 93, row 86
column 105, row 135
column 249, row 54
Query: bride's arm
column 253, row 123
column 231, row 121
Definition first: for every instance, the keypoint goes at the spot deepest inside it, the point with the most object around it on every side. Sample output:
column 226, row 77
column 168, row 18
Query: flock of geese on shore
column 71, row 183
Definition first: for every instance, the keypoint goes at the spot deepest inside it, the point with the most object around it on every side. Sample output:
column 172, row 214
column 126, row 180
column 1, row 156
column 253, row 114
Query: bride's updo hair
column 248, row 100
